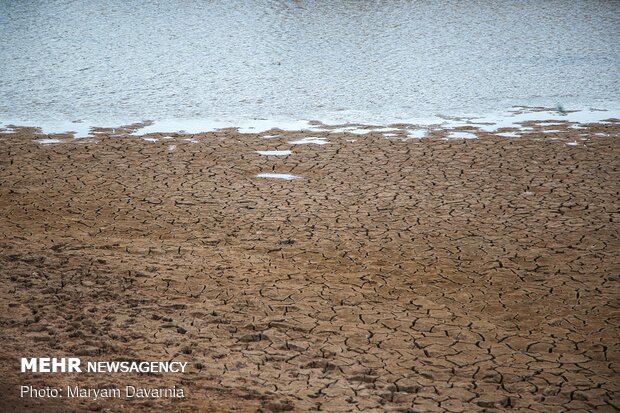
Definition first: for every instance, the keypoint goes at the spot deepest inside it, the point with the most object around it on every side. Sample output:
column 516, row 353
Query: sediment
column 391, row 275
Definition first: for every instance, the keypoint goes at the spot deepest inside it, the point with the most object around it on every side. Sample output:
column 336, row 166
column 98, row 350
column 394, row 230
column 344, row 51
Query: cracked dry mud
column 399, row 276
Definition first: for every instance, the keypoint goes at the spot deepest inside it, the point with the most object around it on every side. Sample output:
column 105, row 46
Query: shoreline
column 515, row 119
column 395, row 273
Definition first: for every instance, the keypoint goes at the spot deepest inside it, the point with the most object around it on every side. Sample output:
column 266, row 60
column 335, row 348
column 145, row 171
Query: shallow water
column 309, row 141
column 460, row 135
column 48, row 141
column 509, row 134
column 416, row 134
column 219, row 63
column 274, row 153
column 287, row 177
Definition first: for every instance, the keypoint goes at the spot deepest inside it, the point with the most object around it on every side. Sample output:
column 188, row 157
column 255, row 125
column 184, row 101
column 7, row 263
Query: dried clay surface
column 420, row 275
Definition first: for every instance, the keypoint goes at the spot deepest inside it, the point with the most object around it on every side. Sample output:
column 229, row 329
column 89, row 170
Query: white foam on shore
column 310, row 140
column 406, row 134
column 287, row 177
column 550, row 123
column 274, row 153
column 180, row 126
column 358, row 130
column 416, row 134
column 492, row 122
column 150, row 139
column 194, row 126
column 514, row 118
column 353, row 131
column 48, row 141
column 459, row 135
column 508, row 134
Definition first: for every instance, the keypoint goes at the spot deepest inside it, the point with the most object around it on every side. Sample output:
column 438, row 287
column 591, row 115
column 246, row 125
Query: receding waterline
column 517, row 119
column 460, row 135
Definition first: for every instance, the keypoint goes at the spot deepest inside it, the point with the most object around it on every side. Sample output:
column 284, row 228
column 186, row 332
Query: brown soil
column 421, row 275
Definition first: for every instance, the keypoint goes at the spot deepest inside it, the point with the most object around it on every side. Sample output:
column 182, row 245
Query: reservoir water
column 111, row 62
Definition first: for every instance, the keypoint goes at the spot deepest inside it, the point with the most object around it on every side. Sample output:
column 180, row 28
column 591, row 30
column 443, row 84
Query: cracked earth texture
column 391, row 276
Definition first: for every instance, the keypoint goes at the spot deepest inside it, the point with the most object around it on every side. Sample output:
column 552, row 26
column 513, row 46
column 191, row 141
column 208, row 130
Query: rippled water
column 109, row 62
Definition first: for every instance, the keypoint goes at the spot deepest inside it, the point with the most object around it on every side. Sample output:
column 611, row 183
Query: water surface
column 111, row 62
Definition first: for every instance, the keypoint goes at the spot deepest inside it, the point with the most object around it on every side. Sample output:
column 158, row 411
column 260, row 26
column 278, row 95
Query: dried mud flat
column 401, row 276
